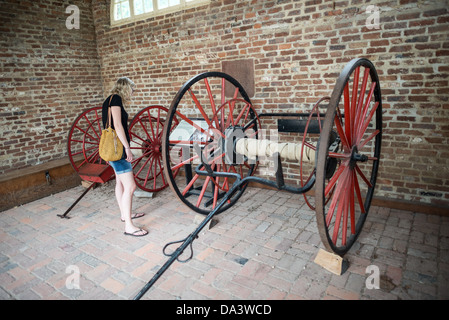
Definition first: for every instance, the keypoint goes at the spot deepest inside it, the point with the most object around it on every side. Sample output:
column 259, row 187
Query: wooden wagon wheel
column 84, row 139
column 309, row 142
column 208, row 107
column 348, row 155
column 146, row 144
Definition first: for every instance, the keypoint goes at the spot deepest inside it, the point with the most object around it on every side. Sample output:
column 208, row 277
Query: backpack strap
column 108, row 121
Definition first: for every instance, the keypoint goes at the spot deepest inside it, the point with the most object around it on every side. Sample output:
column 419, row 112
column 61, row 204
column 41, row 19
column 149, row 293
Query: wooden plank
column 331, row 262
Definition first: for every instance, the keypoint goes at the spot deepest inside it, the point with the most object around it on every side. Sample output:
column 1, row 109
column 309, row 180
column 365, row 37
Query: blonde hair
column 123, row 87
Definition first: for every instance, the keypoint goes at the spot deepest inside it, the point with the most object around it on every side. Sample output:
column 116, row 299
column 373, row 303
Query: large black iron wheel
column 208, row 107
column 348, row 156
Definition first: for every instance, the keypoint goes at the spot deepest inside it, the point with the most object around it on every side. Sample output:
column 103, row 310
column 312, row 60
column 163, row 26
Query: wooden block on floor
column 331, row 262
column 86, row 184
column 143, row 194
column 200, row 218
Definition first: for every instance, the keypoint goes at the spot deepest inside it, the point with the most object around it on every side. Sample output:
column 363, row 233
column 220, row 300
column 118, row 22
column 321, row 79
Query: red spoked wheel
column 209, row 107
column 84, row 139
column 312, row 133
column 348, row 156
column 145, row 131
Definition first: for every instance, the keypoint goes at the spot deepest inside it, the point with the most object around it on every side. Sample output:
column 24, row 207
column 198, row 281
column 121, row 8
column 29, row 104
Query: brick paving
column 262, row 248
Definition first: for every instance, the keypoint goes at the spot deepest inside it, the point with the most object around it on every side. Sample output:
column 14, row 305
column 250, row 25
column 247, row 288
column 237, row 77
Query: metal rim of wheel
column 206, row 106
column 84, row 139
column 348, row 156
column 145, row 132
column 310, row 142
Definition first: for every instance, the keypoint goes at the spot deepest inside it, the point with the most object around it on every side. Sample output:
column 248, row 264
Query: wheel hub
column 356, row 156
column 232, row 133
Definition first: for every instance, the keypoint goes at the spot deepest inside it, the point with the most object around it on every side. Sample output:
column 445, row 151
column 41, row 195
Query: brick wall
column 298, row 47
column 49, row 73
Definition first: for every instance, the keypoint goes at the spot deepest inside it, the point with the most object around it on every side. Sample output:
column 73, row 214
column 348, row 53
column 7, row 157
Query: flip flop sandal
column 136, row 216
column 133, row 234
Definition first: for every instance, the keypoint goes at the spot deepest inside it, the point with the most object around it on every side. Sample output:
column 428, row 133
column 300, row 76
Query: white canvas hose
column 266, row 148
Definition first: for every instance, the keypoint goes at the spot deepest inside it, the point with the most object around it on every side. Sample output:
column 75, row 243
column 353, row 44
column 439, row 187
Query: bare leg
column 124, row 191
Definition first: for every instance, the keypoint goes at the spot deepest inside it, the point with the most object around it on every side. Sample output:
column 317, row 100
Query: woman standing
column 125, row 184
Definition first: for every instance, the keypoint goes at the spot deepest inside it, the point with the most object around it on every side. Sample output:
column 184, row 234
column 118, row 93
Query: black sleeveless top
column 116, row 101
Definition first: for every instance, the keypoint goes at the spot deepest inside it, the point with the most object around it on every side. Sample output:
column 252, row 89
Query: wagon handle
column 182, row 242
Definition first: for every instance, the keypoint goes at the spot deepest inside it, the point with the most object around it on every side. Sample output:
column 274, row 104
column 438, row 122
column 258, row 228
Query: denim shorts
column 121, row 166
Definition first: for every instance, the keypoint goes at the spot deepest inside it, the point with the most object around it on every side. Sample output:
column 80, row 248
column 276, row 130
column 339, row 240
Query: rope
column 252, row 148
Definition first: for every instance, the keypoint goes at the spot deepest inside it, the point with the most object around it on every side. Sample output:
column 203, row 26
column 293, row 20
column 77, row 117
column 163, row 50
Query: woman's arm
column 117, row 117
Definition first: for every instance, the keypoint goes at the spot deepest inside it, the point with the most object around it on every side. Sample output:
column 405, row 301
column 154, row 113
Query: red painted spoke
column 345, row 224
column 334, row 180
column 347, row 106
column 148, row 173
column 371, row 136
column 154, row 172
column 87, row 134
column 247, row 113
column 145, row 130
column 158, row 120
column 363, row 176
column 143, row 166
column 212, row 103
column 341, row 204
column 368, row 120
column 230, row 119
column 93, row 156
column 339, row 155
column 355, row 85
column 360, row 104
column 195, row 125
column 161, row 171
column 179, row 165
column 226, row 179
column 223, row 98
column 335, row 198
column 358, row 193
column 138, row 137
column 341, row 133
column 200, row 108
column 346, row 212
column 82, row 163
column 250, row 135
column 360, row 124
column 88, row 121
column 151, row 123
column 311, row 146
column 95, row 143
column 97, row 133
column 351, row 203
column 216, row 188
column 187, row 142
column 203, row 190
column 191, row 182
column 99, row 122
column 76, row 140
column 241, row 113
column 217, row 158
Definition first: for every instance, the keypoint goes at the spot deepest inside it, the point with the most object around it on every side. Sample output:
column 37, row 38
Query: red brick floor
column 262, row 248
